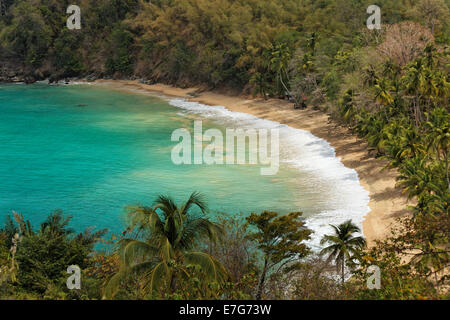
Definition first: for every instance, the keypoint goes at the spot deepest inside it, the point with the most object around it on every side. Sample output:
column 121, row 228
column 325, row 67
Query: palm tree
column 166, row 247
column 343, row 244
column 416, row 177
column 438, row 136
column 281, row 56
column 391, row 70
column 442, row 88
column 410, row 142
column 413, row 82
column 370, row 77
column 259, row 80
column 382, row 91
column 56, row 224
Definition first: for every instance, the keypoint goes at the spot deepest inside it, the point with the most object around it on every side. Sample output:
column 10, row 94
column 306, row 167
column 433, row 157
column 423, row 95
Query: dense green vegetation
column 167, row 252
column 38, row 259
column 242, row 44
column 163, row 259
column 172, row 251
column 389, row 86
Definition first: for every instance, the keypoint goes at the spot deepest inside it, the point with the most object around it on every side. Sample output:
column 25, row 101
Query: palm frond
column 198, row 229
column 213, row 269
column 196, row 199
column 160, row 273
column 138, row 216
column 113, row 285
column 133, row 252
column 166, row 204
column 166, row 251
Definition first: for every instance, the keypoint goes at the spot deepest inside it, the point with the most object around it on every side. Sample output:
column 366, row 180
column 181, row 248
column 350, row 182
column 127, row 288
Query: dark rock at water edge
column 17, row 79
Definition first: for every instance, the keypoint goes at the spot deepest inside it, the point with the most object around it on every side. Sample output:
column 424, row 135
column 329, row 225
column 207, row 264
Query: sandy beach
column 386, row 201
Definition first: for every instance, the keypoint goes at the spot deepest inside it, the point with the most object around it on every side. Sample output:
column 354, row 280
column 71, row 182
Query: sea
column 92, row 151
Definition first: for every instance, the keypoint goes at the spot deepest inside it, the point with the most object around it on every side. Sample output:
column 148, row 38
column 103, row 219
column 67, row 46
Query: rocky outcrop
column 14, row 72
column 16, row 77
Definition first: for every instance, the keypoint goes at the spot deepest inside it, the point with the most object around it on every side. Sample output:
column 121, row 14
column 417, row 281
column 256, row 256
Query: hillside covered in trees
column 184, row 42
column 389, row 86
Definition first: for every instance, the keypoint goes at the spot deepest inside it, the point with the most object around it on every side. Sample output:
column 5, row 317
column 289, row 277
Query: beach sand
column 386, row 200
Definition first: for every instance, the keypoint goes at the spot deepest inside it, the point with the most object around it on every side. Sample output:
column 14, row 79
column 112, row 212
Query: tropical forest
column 385, row 86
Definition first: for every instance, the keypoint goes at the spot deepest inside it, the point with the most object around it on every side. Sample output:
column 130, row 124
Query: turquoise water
column 91, row 151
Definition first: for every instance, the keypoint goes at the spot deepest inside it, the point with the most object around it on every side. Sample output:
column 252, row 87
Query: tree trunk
column 446, row 167
column 172, row 283
column 417, row 113
column 261, row 281
column 343, row 269
column 436, row 279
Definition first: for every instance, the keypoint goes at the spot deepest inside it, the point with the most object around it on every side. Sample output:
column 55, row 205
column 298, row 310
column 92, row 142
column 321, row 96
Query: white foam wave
column 302, row 150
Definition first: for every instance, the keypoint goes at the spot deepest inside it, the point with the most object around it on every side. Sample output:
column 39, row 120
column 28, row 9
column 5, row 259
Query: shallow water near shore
column 91, row 151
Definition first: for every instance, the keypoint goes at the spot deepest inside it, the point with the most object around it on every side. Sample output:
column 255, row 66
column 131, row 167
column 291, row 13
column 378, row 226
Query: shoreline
column 386, row 201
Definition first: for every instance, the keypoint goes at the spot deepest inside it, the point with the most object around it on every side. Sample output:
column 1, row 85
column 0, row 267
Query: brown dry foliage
column 404, row 42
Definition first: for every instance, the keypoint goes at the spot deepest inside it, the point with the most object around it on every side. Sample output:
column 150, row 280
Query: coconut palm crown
column 344, row 246
column 166, row 246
